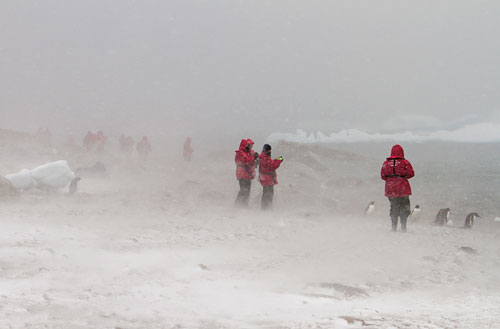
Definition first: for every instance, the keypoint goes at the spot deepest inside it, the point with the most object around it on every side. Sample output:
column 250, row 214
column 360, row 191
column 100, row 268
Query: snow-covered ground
column 159, row 245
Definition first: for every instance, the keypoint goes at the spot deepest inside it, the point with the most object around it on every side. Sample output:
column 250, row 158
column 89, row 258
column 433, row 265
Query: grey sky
column 248, row 66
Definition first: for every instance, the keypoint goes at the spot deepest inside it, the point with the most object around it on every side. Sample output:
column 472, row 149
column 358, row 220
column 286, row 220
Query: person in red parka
column 245, row 160
column 143, row 148
column 100, row 139
column 267, row 176
column 396, row 171
column 188, row 150
column 89, row 141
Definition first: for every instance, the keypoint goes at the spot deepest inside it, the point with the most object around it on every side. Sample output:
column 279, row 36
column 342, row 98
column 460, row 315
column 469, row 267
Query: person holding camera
column 267, row 176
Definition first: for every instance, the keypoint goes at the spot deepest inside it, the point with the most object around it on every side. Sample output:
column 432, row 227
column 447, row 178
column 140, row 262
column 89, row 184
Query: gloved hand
column 280, row 158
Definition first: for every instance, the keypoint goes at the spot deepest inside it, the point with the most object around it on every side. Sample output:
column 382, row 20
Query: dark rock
column 98, row 170
column 468, row 250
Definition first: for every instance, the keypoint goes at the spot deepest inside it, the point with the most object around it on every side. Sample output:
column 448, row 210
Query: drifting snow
column 478, row 133
column 159, row 245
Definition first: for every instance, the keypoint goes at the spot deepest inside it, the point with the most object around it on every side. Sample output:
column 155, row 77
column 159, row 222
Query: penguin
column 73, row 186
column 415, row 213
column 370, row 209
column 443, row 216
column 469, row 220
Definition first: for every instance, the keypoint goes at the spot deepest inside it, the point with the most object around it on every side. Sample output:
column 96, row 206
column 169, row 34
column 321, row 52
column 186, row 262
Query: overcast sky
column 243, row 66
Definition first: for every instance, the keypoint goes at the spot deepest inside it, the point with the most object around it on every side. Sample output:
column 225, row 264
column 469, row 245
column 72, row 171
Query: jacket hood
column 397, row 152
column 243, row 145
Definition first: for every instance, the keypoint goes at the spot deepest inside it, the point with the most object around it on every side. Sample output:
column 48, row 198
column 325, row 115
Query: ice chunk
column 53, row 175
column 22, row 180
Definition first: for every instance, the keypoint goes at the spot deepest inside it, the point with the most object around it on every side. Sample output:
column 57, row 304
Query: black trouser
column 400, row 207
column 267, row 197
column 244, row 193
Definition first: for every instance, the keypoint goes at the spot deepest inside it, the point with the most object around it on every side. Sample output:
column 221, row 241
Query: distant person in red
column 245, row 160
column 396, row 171
column 126, row 144
column 89, row 141
column 143, row 147
column 188, row 150
column 267, row 176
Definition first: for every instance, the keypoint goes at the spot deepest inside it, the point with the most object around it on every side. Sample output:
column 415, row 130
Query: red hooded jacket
column 396, row 171
column 89, row 141
column 267, row 170
column 245, row 161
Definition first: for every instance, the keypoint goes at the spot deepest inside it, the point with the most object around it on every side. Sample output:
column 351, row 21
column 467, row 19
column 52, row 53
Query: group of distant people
column 143, row 147
column 247, row 160
column 96, row 141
